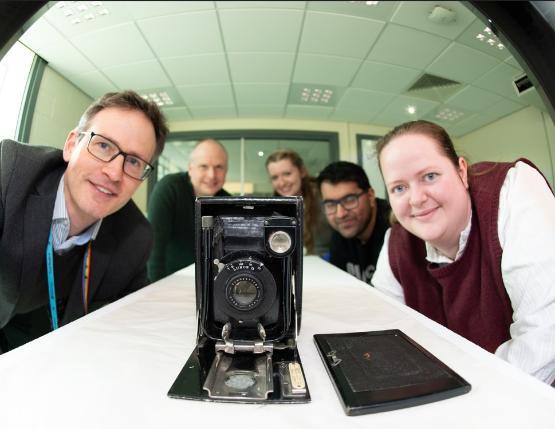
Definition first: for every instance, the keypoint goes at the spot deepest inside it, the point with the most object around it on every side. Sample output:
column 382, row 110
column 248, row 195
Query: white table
column 113, row 368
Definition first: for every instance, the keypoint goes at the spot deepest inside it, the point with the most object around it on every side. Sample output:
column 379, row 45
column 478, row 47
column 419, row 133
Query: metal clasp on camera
column 230, row 346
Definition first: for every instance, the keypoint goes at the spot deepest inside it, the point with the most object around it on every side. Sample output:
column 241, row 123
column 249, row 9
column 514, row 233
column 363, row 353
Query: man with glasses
column 71, row 240
column 357, row 216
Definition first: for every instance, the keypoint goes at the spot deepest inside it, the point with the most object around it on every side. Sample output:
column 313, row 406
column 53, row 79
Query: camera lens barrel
column 244, row 290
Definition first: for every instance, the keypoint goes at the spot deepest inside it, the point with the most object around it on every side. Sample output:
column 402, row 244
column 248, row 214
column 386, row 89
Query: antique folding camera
column 248, row 277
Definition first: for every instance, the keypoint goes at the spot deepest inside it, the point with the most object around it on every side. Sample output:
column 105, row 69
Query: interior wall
column 528, row 133
column 347, row 131
column 58, row 109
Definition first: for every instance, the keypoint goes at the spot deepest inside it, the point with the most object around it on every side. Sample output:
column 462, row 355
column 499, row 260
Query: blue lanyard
column 52, row 286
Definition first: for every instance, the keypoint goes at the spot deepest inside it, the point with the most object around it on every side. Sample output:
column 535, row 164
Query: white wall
column 528, row 133
column 58, row 109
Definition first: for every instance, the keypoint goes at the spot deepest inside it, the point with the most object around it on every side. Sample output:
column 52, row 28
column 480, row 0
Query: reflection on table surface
column 113, row 368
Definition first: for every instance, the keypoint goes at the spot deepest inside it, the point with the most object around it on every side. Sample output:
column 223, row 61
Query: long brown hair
column 308, row 192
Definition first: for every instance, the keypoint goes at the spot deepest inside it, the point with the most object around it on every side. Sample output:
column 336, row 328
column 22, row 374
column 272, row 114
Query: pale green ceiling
column 252, row 59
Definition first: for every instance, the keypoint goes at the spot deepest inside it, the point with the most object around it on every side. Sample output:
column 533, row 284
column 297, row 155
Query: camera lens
column 244, row 292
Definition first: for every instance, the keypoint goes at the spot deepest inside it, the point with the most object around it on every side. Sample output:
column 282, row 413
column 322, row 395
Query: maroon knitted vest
column 467, row 296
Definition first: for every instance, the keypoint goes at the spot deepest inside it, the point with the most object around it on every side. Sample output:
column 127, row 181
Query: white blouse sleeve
column 526, row 229
column 383, row 279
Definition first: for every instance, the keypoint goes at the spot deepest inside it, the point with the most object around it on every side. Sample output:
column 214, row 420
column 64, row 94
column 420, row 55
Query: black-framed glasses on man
column 348, row 202
column 105, row 150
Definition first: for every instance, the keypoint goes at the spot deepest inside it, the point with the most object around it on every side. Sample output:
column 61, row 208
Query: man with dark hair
column 357, row 216
column 171, row 209
column 71, row 240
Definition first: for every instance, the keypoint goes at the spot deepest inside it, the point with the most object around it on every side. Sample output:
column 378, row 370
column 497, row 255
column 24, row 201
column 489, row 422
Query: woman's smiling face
column 428, row 194
column 286, row 178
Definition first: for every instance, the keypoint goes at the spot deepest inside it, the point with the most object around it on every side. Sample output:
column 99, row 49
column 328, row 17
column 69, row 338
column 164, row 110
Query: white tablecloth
column 113, row 368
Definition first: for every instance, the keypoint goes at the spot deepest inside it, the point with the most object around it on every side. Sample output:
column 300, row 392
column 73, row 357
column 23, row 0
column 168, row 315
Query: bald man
column 171, row 208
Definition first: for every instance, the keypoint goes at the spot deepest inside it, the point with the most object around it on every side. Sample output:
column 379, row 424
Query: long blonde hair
column 308, row 192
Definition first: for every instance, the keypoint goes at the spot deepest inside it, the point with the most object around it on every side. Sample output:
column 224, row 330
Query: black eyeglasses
column 106, row 150
column 348, row 202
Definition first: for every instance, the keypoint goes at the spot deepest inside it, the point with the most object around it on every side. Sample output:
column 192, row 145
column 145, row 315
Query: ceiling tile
column 321, row 29
column 349, row 115
column 370, row 102
column 40, row 34
column 311, row 112
column 416, row 14
column 176, row 113
column 63, row 17
column 472, row 98
column 474, row 122
column 197, row 69
column 385, row 77
column 266, row 111
column 467, row 125
column 502, row 108
column 261, row 67
column 469, row 38
column 149, row 9
column 213, row 112
column 461, row 63
column 206, row 95
column 320, row 69
column 93, row 83
column 65, row 58
column 137, row 76
column 381, row 11
column 261, row 94
column 513, row 62
column 261, row 4
column 258, row 31
column 183, row 34
column 396, row 112
column 500, row 80
column 125, row 41
column 407, row 47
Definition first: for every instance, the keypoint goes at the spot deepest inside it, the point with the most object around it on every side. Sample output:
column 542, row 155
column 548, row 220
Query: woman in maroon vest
column 472, row 246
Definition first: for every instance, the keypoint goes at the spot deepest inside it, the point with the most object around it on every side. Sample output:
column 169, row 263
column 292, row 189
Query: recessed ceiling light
column 316, row 95
column 448, row 114
column 159, row 98
column 411, row 110
column 260, row 153
column 367, row 3
column 487, row 36
column 77, row 12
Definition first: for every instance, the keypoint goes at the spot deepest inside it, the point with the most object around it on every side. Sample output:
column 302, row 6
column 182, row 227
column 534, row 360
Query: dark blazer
column 29, row 177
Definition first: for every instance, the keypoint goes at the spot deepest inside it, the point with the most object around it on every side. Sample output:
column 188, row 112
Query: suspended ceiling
column 333, row 61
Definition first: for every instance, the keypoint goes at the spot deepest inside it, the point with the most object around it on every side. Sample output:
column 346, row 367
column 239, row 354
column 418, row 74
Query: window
column 247, row 151
column 368, row 159
column 14, row 73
